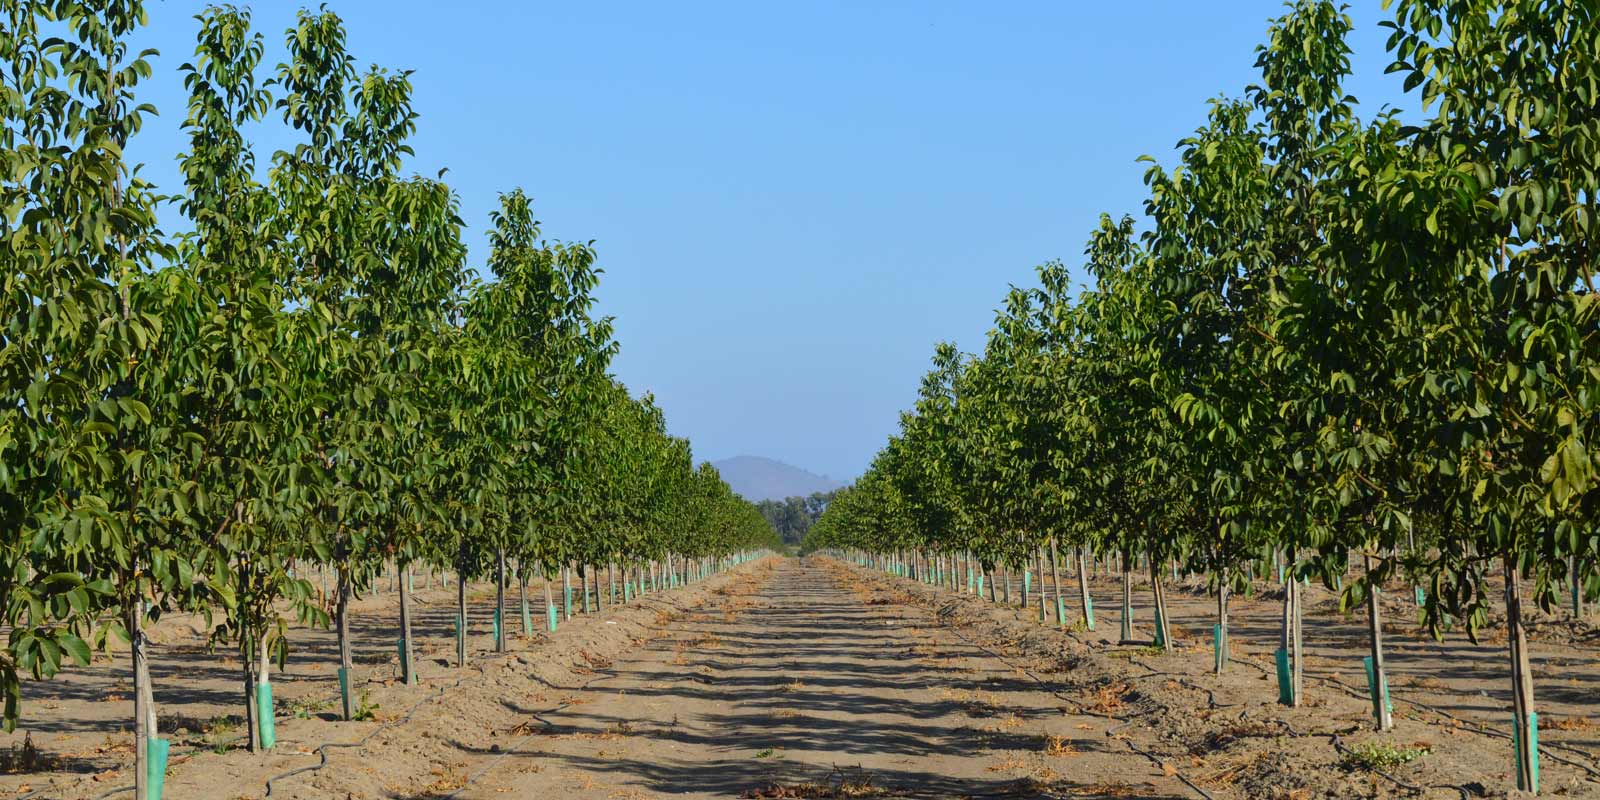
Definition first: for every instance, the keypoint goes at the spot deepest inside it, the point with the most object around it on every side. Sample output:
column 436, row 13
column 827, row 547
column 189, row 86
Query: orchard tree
column 233, row 386
column 1210, row 300
column 1509, row 84
column 90, row 414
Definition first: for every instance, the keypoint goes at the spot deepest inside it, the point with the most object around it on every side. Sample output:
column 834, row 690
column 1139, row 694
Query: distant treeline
column 793, row 516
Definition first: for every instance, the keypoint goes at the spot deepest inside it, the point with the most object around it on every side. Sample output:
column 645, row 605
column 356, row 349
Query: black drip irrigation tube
column 322, row 749
column 1338, row 746
column 319, row 750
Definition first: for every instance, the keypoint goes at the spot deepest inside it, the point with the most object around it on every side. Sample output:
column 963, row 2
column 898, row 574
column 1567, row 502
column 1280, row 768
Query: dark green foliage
column 794, row 516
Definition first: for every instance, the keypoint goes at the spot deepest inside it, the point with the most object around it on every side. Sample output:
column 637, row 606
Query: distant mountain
column 755, row 478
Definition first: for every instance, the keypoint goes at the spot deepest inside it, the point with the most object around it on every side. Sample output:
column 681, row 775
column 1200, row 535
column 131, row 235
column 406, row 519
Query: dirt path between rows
column 802, row 683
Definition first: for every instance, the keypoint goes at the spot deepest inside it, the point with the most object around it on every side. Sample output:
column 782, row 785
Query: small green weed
column 365, row 708
column 221, row 733
column 1382, row 756
column 304, row 707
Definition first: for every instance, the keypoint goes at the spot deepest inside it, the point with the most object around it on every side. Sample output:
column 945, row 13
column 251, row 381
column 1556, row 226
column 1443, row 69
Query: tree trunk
column 1411, row 549
column 549, row 601
column 341, row 616
column 522, row 599
column 1055, row 583
column 461, row 619
column 1575, row 567
column 1023, row 597
column 247, row 656
column 1083, row 591
column 1127, row 599
column 1380, row 706
column 1222, row 626
column 1521, row 684
column 265, row 733
column 1297, row 629
column 1163, row 636
column 499, row 601
column 1040, row 565
column 144, row 707
column 408, row 670
column 566, row 593
column 1286, row 617
column 1286, row 634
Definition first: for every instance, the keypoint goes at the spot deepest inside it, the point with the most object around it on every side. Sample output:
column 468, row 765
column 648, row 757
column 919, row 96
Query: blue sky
column 792, row 202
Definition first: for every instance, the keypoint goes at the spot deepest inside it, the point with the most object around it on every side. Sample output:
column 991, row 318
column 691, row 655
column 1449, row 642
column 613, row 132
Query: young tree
column 1210, row 299
column 1509, row 84
column 235, row 388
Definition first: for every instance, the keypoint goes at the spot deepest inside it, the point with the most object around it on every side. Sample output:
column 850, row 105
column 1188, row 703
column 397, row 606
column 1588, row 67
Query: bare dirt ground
column 1451, row 698
column 805, row 682
column 77, row 725
column 1458, row 678
column 796, row 678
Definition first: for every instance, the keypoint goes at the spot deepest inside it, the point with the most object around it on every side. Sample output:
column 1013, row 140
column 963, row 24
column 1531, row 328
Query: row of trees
column 309, row 375
column 793, row 516
column 1329, row 342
